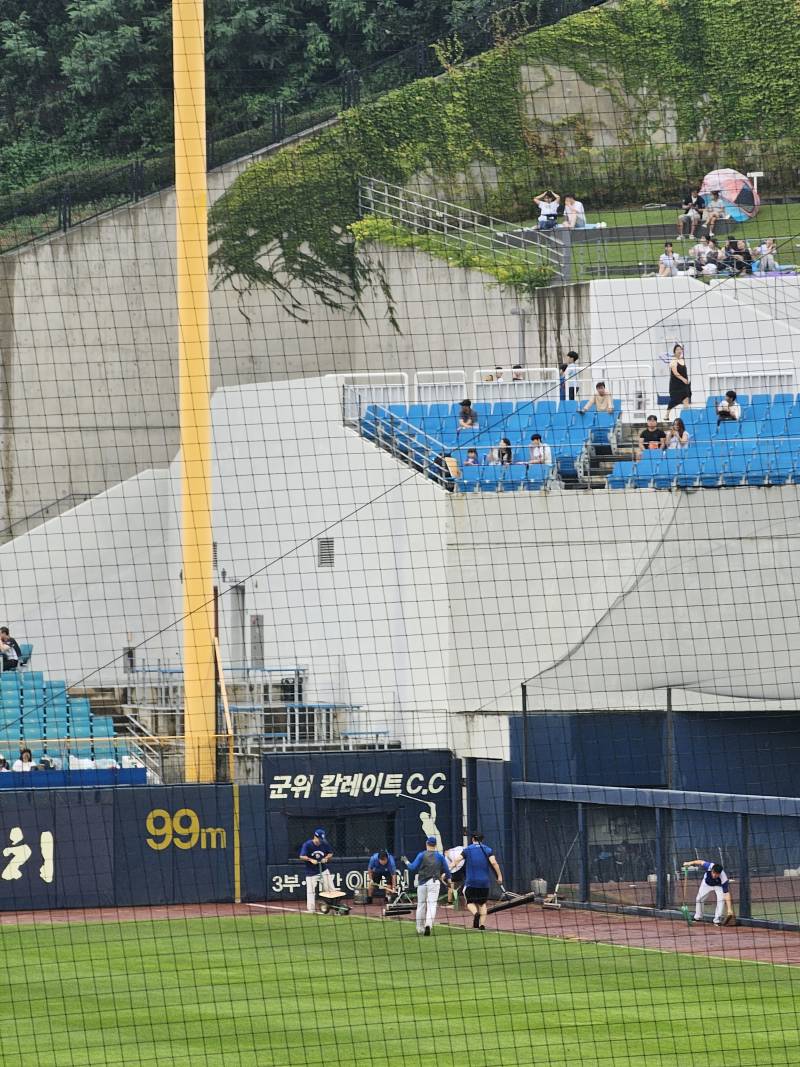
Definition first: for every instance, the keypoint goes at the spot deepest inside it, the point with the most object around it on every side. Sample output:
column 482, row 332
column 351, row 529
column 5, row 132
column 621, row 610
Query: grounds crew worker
column 382, row 871
column 317, row 854
column 431, row 869
column 481, row 867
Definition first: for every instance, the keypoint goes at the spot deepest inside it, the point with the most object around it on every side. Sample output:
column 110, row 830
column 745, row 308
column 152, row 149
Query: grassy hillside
column 725, row 69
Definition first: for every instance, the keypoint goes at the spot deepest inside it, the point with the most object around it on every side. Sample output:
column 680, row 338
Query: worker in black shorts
column 481, row 868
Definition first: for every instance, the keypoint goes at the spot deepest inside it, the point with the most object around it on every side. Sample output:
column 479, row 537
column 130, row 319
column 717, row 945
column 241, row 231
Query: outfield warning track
column 626, row 931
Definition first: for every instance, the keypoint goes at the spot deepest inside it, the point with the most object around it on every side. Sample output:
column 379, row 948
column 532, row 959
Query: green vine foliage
column 726, row 70
column 512, row 269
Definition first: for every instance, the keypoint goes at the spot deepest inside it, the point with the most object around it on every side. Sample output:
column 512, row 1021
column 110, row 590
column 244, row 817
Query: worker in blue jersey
column 432, row 872
column 482, row 869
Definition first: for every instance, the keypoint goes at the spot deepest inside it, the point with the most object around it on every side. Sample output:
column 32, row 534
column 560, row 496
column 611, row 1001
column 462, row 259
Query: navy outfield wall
column 154, row 845
column 85, row 848
column 364, row 801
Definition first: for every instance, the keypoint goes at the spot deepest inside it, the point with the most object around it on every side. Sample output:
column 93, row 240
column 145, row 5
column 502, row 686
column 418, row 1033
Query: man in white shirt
column 729, row 409
column 539, row 452
column 574, row 214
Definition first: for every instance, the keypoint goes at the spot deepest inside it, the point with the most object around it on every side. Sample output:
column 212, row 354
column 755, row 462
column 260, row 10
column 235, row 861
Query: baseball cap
column 319, row 832
column 430, row 840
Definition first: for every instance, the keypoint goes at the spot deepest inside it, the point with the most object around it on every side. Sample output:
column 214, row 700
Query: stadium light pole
column 188, row 65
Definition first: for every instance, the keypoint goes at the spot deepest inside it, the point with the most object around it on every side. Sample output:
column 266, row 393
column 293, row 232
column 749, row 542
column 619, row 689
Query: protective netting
column 470, row 523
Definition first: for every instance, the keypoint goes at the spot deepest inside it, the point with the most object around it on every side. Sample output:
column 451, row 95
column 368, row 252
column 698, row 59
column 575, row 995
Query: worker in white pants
column 317, row 854
column 432, row 871
column 715, row 880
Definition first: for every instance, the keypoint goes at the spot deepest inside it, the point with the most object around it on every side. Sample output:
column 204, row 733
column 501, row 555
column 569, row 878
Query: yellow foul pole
column 188, row 60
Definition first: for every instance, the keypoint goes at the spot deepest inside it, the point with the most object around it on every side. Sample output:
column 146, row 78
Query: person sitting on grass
column 667, row 263
column 547, row 202
column 651, row 438
column 767, row 250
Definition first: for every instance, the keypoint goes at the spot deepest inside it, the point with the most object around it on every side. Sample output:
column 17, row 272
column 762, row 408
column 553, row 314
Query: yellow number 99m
column 181, row 829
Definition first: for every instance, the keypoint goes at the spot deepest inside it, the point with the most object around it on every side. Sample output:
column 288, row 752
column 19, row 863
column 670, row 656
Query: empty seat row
column 508, row 479
column 708, row 470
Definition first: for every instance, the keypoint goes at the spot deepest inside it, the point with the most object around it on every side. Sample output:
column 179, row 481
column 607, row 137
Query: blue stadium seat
column 688, row 473
column 492, row 477
column 537, row 476
column 711, row 472
column 734, row 470
column 620, row 476
column 726, row 430
column 546, row 407
column 781, row 469
column 758, row 468
column 469, row 480
column 443, row 410
column 503, row 408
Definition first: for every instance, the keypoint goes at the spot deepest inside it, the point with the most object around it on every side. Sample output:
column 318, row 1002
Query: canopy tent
column 736, row 191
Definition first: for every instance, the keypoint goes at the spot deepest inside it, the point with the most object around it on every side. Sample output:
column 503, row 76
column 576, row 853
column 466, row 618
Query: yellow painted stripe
column 237, row 850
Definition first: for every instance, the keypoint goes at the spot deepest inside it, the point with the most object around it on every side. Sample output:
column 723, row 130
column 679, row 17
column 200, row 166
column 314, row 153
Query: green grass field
column 295, row 990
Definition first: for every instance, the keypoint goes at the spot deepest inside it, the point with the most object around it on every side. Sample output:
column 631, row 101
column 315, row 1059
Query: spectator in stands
column 767, row 250
column 467, row 416
column 698, row 253
column 503, row 453
column 602, row 401
column 547, row 202
column 9, row 649
column 472, row 459
column 715, row 211
column 680, row 389
column 729, row 409
column 539, row 452
column 692, row 209
column 25, row 761
column 667, row 264
column 574, row 213
column 678, row 436
column 518, row 373
column 651, row 438
column 4, row 766
column 737, row 257
column 569, row 377
column 711, row 265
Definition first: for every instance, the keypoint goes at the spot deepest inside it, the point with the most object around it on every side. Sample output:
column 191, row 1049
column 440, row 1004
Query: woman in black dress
column 680, row 389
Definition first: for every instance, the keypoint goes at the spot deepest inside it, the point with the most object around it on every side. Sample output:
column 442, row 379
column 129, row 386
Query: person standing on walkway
column 481, row 869
column 680, row 389
column 432, row 871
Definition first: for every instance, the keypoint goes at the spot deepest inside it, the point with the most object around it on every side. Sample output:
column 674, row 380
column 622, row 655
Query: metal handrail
column 421, row 212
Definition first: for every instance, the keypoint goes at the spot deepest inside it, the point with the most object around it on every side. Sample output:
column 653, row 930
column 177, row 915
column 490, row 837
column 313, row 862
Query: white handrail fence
column 429, row 214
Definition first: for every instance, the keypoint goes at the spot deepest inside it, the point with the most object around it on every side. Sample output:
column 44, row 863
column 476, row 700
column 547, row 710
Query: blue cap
column 430, row 840
column 319, row 832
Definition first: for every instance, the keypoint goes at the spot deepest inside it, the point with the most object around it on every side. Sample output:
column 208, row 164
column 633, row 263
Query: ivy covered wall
column 725, row 70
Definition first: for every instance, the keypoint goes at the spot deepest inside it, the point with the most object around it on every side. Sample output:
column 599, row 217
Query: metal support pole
column 524, row 732
column 669, row 742
column 188, row 59
column 662, row 832
column 583, row 855
column 745, row 901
